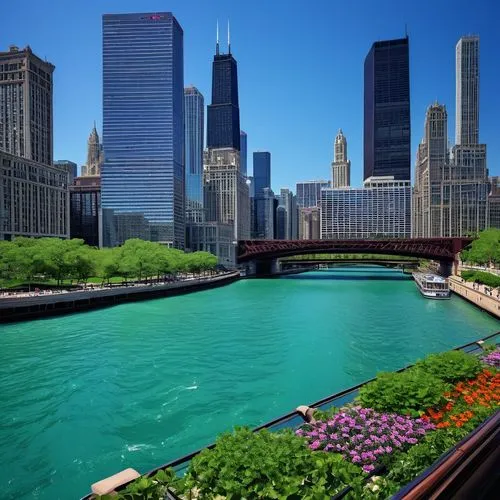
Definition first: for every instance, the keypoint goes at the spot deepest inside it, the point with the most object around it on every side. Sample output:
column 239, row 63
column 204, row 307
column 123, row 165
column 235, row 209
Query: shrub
column 409, row 392
column 251, row 465
column 451, row 366
column 364, row 436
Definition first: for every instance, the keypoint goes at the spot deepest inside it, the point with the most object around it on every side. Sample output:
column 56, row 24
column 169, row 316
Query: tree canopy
column 485, row 249
column 30, row 259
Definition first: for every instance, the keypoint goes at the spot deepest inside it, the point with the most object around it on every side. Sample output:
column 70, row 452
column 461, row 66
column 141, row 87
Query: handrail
column 186, row 458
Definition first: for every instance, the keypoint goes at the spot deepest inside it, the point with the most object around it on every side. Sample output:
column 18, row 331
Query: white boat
column 432, row 286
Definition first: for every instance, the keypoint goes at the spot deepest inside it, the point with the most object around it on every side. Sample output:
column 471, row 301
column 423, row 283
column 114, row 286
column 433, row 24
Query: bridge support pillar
column 267, row 267
column 445, row 268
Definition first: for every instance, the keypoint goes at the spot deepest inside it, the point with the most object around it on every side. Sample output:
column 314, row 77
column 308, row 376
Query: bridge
column 261, row 255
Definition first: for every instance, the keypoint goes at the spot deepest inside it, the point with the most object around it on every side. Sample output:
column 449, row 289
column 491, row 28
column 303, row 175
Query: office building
column 287, row 216
column 261, row 172
column 214, row 237
column 26, row 108
column 467, row 91
column 341, row 166
column 494, row 203
column 387, row 110
column 70, row 167
column 194, row 130
column 264, row 215
column 95, row 157
column 34, row 199
column 243, row 152
column 85, row 205
column 380, row 209
column 223, row 114
column 309, row 192
column 309, row 223
column 143, row 129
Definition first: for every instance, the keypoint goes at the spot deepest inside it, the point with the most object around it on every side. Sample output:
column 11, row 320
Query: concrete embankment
column 464, row 289
column 24, row 308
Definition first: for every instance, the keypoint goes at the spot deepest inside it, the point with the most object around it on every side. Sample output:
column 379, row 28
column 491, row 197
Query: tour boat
column 432, row 286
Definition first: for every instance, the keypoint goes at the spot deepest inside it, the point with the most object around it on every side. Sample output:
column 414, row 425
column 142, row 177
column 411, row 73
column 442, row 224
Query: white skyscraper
column 341, row 166
column 467, row 91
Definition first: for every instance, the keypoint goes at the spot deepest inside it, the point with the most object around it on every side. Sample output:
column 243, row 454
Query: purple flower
column 315, row 444
column 368, row 468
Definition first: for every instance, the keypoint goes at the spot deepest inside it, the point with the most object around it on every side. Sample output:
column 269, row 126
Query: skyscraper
column 223, row 115
column 287, row 215
column 467, row 91
column 387, row 110
column 309, row 192
column 261, row 171
column 69, row 166
column 143, row 129
column 341, row 166
column 94, row 155
column 26, row 107
column 194, row 126
column 243, row 152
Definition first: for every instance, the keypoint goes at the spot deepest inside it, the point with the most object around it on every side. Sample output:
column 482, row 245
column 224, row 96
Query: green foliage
column 484, row 249
column 451, row 366
column 251, row 465
column 485, row 278
column 409, row 392
column 146, row 488
column 42, row 259
column 325, row 415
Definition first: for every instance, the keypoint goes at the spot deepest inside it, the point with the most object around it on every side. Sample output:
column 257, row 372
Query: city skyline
column 341, row 108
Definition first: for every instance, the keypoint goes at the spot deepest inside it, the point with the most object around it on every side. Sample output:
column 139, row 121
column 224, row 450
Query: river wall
column 478, row 298
column 25, row 308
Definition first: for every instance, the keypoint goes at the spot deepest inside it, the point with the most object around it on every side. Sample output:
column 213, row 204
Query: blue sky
column 300, row 67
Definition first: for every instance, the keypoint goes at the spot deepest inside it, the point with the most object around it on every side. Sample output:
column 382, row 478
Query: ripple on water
column 85, row 395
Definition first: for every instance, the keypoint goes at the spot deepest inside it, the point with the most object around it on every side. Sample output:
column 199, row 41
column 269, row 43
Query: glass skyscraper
column 143, row 129
column 223, row 115
column 243, row 152
column 387, row 110
column 309, row 193
column 194, row 126
column 261, row 172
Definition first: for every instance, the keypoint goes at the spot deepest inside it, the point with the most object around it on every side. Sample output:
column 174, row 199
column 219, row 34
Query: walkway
column 481, row 295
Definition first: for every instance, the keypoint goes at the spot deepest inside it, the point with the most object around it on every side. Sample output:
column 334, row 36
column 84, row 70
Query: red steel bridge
column 444, row 250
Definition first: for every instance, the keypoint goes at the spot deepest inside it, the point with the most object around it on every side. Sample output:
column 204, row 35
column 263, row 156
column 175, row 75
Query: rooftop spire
column 228, row 39
column 217, row 43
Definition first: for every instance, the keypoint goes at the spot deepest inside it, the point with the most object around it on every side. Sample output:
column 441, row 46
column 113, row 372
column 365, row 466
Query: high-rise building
column 243, row 152
column 494, row 203
column 387, row 110
column 143, row 129
column 381, row 209
column 85, row 205
column 26, row 109
column 194, row 126
column 95, row 156
column 69, row 166
column 341, row 166
column 287, row 216
column 34, row 199
column 467, row 91
column 223, row 114
column 264, row 215
column 309, row 223
column 309, row 192
column 261, row 172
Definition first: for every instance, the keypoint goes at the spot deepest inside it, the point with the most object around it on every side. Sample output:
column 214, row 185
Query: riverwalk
column 31, row 306
column 480, row 295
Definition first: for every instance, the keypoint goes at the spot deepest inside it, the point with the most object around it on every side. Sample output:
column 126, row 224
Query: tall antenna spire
column 217, row 43
column 228, row 39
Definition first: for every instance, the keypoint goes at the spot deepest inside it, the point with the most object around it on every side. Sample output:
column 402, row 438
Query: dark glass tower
column 223, row 118
column 261, row 172
column 143, row 129
column 387, row 110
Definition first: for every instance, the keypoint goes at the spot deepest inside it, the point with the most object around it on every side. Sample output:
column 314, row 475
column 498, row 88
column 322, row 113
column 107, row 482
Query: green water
column 85, row 395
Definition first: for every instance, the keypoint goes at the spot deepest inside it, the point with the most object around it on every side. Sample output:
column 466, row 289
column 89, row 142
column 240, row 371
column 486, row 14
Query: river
column 85, row 395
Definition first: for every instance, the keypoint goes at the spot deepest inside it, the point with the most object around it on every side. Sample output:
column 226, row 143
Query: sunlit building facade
column 341, row 166
column 309, row 192
column 143, row 129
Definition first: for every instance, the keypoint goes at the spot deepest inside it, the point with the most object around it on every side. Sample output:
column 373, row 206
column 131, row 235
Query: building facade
column 381, row 209
column 34, row 199
column 494, row 203
column 85, row 209
column 213, row 237
column 387, row 110
column 467, row 91
column 226, row 197
column 341, row 166
column 95, row 157
column 143, row 129
column 26, row 107
column 243, row 152
column 264, row 215
column 309, row 192
column 287, row 216
column 194, row 129
column 70, row 167
column 223, row 114
column 309, row 223
column 261, row 172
